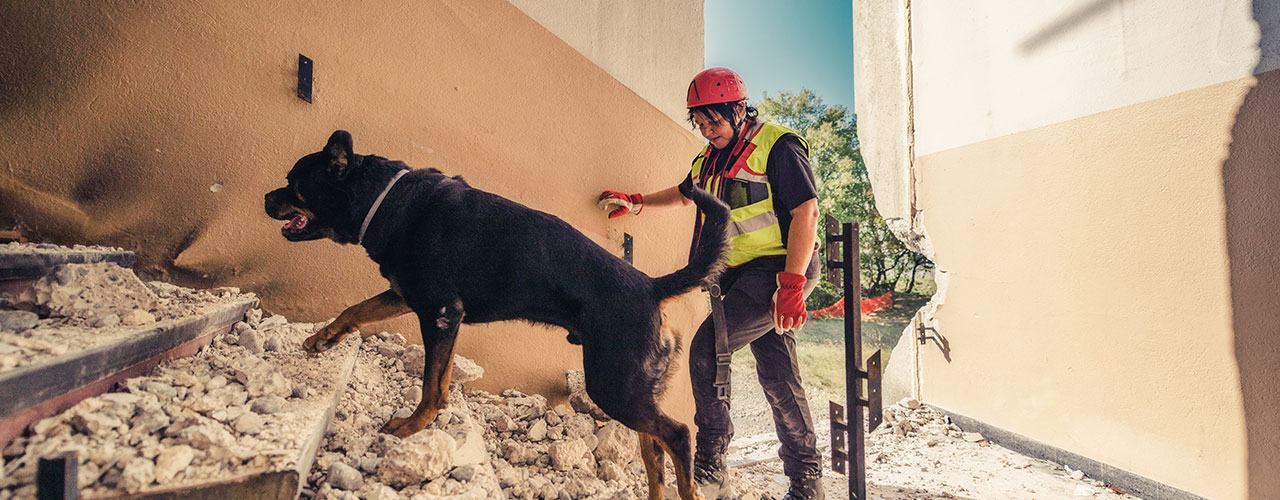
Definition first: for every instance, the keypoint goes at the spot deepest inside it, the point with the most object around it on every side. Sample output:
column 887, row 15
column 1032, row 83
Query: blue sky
column 784, row 45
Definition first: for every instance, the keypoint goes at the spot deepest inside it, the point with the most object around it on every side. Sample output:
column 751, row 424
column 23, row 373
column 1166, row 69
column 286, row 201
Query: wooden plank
column 37, row 391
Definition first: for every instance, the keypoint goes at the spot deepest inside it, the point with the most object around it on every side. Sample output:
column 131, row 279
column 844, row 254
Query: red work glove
column 788, row 302
column 620, row 204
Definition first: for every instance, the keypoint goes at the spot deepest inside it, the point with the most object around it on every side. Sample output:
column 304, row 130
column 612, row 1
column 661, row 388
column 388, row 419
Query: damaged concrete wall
column 653, row 47
column 1099, row 184
column 158, row 127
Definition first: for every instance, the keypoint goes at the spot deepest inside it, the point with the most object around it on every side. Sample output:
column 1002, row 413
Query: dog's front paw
column 400, row 427
column 326, row 338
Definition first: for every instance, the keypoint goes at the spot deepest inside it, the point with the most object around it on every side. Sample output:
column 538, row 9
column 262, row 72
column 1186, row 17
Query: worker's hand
column 788, row 302
column 620, row 204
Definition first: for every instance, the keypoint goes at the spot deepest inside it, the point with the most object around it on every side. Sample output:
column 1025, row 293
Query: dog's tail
column 707, row 256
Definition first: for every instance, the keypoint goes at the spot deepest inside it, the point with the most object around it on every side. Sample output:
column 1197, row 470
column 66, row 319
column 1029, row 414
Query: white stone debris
column 80, row 306
column 481, row 445
column 224, row 412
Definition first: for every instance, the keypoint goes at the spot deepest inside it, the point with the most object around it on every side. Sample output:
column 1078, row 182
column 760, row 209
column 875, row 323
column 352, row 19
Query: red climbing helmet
column 715, row 85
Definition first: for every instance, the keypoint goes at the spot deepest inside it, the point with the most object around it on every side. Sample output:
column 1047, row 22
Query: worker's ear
column 339, row 152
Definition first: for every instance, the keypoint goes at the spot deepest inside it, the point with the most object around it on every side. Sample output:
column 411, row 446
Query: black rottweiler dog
column 455, row 254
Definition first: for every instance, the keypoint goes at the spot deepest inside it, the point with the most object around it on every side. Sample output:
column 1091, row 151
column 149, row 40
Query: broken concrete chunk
column 566, row 455
column 267, row 405
column 465, row 370
column 171, row 461
column 424, row 456
column 94, row 424
column 248, row 423
column 344, row 477
column 251, row 340
column 415, row 360
column 137, row 474
column 138, row 317
column 17, row 321
column 537, row 430
column 616, row 443
column 576, row 382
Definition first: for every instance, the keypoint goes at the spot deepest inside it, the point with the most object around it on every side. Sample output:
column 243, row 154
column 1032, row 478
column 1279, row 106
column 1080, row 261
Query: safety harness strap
column 723, row 356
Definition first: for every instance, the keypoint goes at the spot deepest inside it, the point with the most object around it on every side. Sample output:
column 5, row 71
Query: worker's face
column 716, row 129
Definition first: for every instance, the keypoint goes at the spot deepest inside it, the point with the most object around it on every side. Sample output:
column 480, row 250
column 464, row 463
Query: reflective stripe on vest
column 754, row 231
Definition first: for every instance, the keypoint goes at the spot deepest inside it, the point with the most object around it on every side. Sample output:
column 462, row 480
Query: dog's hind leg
column 656, row 427
column 652, row 455
column 439, row 331
column 674, row 436
column 385, row 305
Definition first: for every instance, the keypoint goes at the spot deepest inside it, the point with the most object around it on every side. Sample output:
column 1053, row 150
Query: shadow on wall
column 1065, row 24
column 1251, row 186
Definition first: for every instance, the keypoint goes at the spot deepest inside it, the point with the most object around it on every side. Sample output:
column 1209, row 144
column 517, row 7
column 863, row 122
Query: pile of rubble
column 482, row 445
column 248, row 402
column 80, row 306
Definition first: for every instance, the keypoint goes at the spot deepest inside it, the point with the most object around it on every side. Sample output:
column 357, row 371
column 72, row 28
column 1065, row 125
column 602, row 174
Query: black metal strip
column 626, row 248
column 58, row 477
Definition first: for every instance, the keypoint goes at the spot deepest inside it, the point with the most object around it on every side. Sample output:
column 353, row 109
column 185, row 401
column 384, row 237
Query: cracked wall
column 1099, row 191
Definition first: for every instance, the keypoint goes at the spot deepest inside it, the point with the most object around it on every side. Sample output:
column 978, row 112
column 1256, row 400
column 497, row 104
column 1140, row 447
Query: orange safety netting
column 869, row 306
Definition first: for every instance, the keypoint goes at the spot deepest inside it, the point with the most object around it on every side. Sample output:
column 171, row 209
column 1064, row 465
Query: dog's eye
column 298, row 194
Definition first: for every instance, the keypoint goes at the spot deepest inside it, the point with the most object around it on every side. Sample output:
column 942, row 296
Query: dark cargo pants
column 748, row 300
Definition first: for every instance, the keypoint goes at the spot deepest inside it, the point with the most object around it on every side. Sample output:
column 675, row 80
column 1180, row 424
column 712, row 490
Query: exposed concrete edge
column 21, row 265
column 1112, row 475
column 902, row 376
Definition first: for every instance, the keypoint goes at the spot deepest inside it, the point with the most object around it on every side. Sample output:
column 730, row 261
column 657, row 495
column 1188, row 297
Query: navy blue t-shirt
column 790, row 177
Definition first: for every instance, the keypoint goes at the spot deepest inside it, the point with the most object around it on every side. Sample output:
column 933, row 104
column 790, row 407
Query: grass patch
column 820, row 345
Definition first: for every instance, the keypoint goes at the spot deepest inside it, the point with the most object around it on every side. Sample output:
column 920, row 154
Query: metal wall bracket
column 304, row 77
column 627, row 243
column 839, row 439
column 926, row 333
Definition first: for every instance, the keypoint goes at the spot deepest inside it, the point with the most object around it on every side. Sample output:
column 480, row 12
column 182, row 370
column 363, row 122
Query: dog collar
column 377, row 203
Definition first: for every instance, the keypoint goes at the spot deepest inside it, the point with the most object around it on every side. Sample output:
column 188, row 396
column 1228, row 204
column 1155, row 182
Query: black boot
column 806, row 486
column 710, row 475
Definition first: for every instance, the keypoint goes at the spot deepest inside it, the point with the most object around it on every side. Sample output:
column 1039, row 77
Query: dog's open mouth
column 296, row 229
column 297, row 222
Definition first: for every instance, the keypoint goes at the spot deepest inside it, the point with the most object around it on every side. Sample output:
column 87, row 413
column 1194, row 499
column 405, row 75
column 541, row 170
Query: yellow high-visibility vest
column 754, row 230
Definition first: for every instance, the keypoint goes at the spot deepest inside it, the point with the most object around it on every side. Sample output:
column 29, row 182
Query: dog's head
column 317, row 202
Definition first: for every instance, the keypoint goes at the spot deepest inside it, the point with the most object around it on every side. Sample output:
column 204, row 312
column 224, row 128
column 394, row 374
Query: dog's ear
column 339, row 151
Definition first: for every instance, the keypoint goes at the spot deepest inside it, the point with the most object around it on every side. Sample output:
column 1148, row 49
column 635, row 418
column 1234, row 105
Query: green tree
column 844, row 190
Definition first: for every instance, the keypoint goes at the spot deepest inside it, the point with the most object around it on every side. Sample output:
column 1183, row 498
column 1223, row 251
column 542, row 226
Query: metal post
column 57, row 477
column 848, row 445
column 853, row 360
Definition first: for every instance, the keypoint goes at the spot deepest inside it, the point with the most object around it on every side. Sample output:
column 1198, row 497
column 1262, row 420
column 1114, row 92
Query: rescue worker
column 761, row 170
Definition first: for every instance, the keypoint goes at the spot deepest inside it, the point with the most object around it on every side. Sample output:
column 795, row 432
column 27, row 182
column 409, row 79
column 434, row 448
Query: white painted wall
column 653, row 47
column 989, row 68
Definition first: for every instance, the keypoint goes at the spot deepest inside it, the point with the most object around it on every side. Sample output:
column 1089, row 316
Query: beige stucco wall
column 116, row 120
column 1098, row 182
column 653, row 47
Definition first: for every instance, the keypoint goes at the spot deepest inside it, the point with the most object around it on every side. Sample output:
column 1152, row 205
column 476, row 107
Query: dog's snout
column 272, row 203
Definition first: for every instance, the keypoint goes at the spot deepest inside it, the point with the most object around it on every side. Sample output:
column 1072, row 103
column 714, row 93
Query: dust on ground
column 915, row 454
